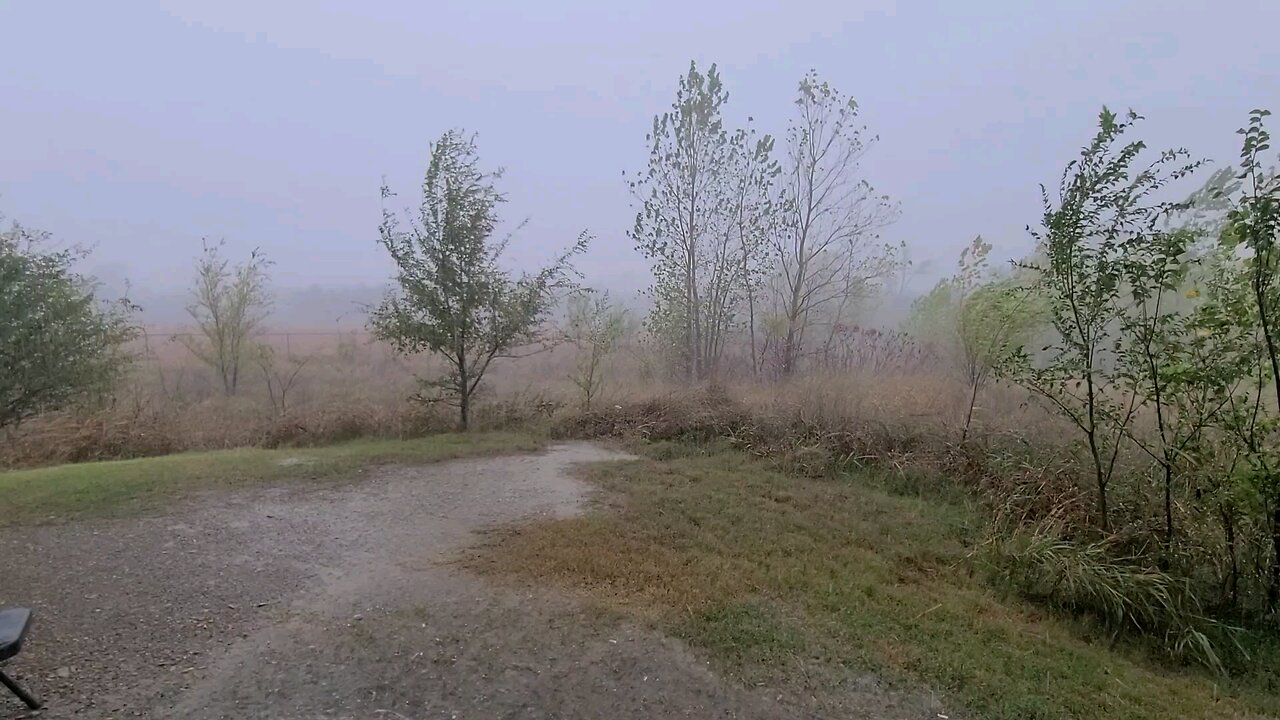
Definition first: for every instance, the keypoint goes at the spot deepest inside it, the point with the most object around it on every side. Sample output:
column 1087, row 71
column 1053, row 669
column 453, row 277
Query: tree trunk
column 1102, row 504
column 1094, row 451
column 1273, row 590
column 1233, row 577
column 791, row 348
column 968, row 418
column 464, row 388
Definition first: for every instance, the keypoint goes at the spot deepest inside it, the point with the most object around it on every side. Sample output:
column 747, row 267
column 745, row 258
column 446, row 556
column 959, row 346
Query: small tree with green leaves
column 1104, row 207
column 228, row 306
column 452, row 296
column 1252, row 232
column 976, row 319
column 595, row 325
column 1182, row 363
column 58, row 341
column 704, row 207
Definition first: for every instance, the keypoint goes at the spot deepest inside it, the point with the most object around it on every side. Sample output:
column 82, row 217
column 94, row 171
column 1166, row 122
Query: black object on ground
column 14, row 623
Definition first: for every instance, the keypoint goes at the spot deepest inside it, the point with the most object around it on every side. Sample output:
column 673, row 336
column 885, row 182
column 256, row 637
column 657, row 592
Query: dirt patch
column 340, row 603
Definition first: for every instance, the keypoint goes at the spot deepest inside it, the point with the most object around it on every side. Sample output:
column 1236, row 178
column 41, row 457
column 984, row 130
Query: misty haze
column 578, row 360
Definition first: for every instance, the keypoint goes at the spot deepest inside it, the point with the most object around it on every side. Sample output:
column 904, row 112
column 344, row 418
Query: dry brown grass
column 349, row 387
column 352, row 386
column 823, row 426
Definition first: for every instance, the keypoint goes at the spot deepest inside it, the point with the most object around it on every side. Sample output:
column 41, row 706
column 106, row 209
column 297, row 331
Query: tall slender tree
column 829, row 253
column 700, row 198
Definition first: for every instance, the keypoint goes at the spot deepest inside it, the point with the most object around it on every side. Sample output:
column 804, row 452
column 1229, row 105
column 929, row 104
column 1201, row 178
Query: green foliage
column 976, row 319
column 595, row 326
column 1103, row 215
column 229, row 304
column 1165, row 343
column 932, row 317
column 1252, row 300
column 453, row 296
column 704, row 212
column 58, row 341
column 1123, row 593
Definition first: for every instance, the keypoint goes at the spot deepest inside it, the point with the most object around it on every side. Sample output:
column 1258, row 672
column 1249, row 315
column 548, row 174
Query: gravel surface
column 343, row 603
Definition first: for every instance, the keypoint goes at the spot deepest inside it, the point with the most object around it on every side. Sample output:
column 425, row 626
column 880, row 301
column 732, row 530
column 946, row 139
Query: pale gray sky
column 140, row 127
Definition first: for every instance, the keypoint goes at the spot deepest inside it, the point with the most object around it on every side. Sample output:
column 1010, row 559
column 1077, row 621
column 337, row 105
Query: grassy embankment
column 799, row 583
column 125, row 487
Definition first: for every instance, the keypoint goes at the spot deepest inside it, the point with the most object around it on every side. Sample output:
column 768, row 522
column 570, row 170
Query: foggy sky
column 141, row 127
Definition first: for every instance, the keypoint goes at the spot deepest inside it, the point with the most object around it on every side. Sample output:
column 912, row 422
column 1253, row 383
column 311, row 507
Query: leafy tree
column 58, row 340
column 452, row 296
column 1180, row 363
column 1104, row 208
column 1253, row 233
column 977, row 320
column 595, row 326
column 828, row 252
column 229, row 304
column 700, row 201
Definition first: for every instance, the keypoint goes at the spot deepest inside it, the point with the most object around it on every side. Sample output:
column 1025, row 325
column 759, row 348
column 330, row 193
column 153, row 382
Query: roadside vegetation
column 128, row 487
column 805, row 584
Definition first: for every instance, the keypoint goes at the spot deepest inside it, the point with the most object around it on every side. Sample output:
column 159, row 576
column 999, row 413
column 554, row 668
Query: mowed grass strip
column 767, row 573
column 123, row 487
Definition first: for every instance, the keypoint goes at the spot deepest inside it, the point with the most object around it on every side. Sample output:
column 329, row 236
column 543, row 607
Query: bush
column 1122, row 592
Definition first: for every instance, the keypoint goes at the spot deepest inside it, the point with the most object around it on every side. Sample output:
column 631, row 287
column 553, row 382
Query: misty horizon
column 154, row 129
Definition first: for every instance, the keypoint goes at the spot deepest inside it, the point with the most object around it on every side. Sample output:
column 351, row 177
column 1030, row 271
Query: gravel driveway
column 315, row 602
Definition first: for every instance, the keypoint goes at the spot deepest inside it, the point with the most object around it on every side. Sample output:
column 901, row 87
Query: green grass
column 124, row 487
column 762, row 571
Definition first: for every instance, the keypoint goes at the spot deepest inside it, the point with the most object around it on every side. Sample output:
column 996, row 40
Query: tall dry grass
column 348, row 386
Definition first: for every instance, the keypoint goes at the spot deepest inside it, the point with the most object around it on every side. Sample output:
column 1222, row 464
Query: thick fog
column 140, row 128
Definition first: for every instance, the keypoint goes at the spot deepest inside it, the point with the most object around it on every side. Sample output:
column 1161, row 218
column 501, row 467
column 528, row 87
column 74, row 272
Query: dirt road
column 337, row 603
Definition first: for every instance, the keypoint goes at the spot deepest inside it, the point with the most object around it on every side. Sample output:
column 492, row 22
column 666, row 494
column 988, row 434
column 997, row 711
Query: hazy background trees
column 976, row 318
column 594, row 327
column 694, row 196
column 229, row 303
column 829, row 260
column 781, row 253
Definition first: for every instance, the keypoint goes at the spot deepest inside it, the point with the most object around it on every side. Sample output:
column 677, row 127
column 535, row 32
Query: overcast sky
column 140, row 127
